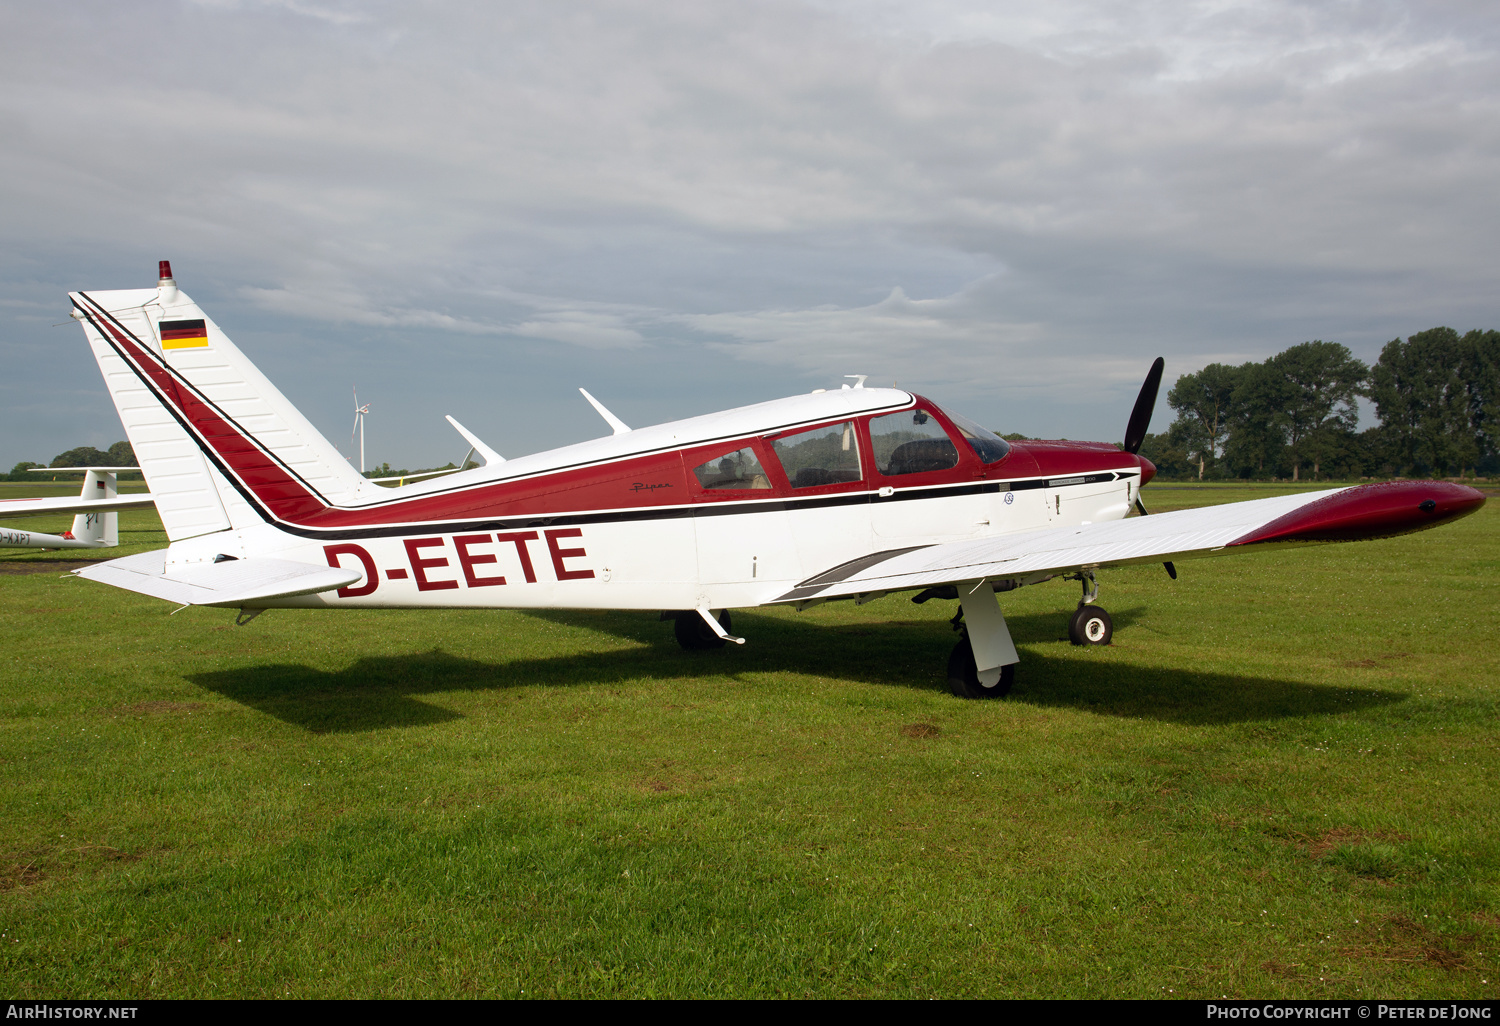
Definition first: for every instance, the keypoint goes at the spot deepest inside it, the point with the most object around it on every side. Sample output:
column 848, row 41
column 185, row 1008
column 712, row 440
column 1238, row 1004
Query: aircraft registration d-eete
column 850, row 493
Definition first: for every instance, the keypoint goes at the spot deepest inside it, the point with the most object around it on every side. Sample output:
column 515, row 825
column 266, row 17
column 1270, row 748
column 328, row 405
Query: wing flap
column 1344, row 514
column 234, row 582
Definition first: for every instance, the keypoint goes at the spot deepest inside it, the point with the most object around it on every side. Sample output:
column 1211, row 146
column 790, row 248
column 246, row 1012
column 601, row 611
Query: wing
column 1344, row 514
column 75, row 504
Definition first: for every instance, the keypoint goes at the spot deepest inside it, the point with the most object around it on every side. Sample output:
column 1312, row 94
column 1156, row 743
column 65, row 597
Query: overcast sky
column 476, row 208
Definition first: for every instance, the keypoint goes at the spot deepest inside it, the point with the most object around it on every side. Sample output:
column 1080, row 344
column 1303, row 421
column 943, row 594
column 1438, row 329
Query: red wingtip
column 165, row 267
column 1372, row 511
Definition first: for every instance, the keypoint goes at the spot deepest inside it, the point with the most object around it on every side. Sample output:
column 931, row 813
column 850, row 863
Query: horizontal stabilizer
column 233, row 582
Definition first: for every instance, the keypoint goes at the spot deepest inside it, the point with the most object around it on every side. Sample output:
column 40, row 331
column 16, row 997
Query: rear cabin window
column 822, row 456
column 737, row 470
column 911, row 442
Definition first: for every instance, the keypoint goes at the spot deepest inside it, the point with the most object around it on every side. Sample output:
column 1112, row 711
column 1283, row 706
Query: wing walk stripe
column 844, row 571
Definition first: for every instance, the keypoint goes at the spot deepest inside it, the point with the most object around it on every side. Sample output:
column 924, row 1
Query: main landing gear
column 963, row 675
column 694, row 633
column 986, row 640
column 1089, row 625
column 983, row 663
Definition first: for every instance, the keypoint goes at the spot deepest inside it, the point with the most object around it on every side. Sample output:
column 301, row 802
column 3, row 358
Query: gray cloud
column 1009, row 206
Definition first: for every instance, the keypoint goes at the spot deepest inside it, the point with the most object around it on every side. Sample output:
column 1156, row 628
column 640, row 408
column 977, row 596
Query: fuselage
column 729, row 510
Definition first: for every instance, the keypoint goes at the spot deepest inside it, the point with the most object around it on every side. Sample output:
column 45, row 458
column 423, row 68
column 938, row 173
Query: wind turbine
column 359, row 427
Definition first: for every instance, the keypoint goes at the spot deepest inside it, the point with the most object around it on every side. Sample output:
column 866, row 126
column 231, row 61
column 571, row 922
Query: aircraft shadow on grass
column 381, row 692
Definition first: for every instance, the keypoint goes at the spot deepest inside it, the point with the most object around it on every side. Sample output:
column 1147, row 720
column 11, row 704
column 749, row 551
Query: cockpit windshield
column 988, row 446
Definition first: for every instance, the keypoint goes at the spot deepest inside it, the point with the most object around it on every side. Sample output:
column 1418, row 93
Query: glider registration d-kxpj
column 97, row 521
column 854, row 493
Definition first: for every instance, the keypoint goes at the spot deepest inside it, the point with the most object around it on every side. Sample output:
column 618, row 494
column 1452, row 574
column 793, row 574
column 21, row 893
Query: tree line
column 118, row 455
column 1436, row 395
column 122, row 455
column 1296, row 415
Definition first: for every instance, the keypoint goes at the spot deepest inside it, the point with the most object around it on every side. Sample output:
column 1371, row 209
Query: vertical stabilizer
column 218, row 444
column 103, row 528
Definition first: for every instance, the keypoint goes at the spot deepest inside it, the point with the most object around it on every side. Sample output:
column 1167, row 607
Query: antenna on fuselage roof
column 859, row 380
column 616, row 424
column 490, row 455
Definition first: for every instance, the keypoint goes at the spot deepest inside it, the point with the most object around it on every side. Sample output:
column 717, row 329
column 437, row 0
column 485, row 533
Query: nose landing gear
column 1089, row 625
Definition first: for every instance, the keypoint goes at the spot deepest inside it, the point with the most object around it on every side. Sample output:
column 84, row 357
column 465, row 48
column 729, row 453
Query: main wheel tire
column 1090, row 625
column 963, row 675
column 693, row 634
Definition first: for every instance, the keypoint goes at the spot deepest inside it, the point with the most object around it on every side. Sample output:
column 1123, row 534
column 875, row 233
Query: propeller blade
column 1171, row 570
column 1145, row 404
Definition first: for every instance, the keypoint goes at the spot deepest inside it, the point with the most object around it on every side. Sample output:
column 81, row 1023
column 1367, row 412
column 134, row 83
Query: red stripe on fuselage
column 641, row 482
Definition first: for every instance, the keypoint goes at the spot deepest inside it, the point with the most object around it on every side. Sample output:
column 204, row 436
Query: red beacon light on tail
column 167, row 285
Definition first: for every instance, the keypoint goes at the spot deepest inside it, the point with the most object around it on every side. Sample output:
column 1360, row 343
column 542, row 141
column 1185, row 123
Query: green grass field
column 1279, row 781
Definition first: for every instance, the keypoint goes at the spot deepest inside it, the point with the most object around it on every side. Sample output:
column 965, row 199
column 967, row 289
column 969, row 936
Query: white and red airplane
column 853, row 493
column 97, row 506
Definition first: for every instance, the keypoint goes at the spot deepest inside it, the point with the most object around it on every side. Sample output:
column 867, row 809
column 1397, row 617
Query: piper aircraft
column 852, row 493
column 97, row 523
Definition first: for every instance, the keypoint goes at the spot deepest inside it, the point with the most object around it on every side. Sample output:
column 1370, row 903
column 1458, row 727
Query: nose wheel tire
column 963, row 675
column 693, row 634
column 1090, row 626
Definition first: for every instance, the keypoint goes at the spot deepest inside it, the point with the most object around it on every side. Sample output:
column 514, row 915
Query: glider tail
column 98, row 528
column 220, row 447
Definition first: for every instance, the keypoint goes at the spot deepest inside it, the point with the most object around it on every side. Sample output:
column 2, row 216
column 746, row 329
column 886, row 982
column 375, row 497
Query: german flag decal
column 183, row 334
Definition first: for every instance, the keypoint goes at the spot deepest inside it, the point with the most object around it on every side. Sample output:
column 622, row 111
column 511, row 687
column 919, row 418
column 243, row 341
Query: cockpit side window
column 820, row 456
column 988, row 446
column 911, row 442
column 740, row 469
